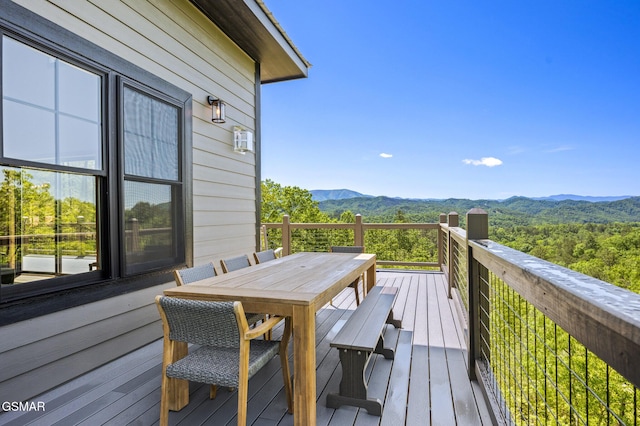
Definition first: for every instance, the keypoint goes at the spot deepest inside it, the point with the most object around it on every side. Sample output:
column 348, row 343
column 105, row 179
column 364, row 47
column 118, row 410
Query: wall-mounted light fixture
column 242, row 140
column 217, row 109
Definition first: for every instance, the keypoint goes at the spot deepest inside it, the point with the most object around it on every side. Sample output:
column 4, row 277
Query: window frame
column 177, row 212
column 28, row 301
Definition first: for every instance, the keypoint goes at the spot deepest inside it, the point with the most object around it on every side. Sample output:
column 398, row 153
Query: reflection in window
column 148, row 223
column 47, row 224
column 51, row 109
column 150, row 137
column 151, row 143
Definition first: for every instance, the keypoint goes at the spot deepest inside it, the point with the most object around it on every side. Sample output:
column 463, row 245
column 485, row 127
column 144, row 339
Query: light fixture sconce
column 217, row 109
column 242, row 140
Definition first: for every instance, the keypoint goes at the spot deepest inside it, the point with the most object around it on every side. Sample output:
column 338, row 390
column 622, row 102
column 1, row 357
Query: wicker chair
column 264, row 256
column 354, row 285
column 227, row 356
column 195, row 273
column 200, row 272
column 235, row 263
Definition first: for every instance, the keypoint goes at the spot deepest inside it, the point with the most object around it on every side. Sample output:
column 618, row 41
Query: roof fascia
column 250, row 25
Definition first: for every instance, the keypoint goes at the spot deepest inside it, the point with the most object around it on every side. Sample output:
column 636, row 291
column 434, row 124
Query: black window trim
column 32, row 29
column 177, row 186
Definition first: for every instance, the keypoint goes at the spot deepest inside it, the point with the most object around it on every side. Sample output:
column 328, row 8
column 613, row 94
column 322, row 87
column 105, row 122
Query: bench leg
column 396, row 323
column 353, row 389
column 388, row 353
column 372, row 405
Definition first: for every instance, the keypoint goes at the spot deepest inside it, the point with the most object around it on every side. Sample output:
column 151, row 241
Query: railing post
column 286, row 236
column 453, row 221
column 477, row 229
column 358, row 232
column 443, row 219
column 135, row 235
column 477, row 224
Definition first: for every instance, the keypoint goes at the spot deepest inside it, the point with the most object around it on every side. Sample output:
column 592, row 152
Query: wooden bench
column 360, row 336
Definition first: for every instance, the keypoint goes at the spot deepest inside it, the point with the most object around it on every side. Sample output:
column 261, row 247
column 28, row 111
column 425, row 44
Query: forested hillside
column 513, row 211
column 600, row 239
column 609, row 252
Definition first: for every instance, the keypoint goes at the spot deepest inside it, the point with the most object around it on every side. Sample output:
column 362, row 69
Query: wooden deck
column 426, row 383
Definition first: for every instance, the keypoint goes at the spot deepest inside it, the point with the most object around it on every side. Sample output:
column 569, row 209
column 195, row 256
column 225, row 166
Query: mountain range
column 336, row 194
column 512, row 211
column 343, row 194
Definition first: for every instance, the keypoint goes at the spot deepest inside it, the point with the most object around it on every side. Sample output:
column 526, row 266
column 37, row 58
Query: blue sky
column 458, row 99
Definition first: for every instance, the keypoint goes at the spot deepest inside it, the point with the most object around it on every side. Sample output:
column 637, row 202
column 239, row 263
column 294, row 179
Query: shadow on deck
column 426, row 383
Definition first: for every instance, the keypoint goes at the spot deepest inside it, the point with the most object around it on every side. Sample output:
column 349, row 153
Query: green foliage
column 278, row 200
column 609, row 252
column 511, row 212
column 151, row 215
column 31, row 218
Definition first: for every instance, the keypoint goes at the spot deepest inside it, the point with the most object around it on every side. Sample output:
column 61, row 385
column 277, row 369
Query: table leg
column 304, row 366
column 371, row 277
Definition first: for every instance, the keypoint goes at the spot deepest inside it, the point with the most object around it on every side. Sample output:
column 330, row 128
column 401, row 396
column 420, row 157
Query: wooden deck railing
column 417, row 242
column 547, row 344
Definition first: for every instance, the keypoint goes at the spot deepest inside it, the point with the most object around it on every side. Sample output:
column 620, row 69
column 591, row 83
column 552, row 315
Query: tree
column 278, row 200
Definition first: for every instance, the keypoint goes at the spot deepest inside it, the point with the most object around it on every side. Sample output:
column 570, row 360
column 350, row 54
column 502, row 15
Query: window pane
column 79, row 92
column 51, row 109
column 150, row 137
column 28, row 75
column 47, row 224
column 23, row 139
column 81, row 147
column 148, row 216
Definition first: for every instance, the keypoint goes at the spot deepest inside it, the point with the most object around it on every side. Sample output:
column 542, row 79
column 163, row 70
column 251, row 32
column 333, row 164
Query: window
column 51, row 116
column 151, row 185
column 92, row 176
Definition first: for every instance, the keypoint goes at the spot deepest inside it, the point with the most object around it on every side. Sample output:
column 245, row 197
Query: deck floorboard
column 426, row 383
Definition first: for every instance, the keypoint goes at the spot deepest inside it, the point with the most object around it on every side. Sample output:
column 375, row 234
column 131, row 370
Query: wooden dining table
column 296, row 286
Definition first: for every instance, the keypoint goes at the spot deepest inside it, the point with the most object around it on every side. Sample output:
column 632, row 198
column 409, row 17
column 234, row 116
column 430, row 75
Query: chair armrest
column 261, row 329
column 278, row 252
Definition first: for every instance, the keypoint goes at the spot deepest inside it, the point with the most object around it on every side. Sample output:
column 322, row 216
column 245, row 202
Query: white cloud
column 560, row 149
column 515, row 150
column 385, row 155
column 484, row 161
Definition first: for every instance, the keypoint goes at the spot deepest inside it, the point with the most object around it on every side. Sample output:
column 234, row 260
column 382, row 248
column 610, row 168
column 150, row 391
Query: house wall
column 174, row 41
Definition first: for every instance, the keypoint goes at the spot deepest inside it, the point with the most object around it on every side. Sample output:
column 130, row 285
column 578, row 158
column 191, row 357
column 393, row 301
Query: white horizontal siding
column 204, row 189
